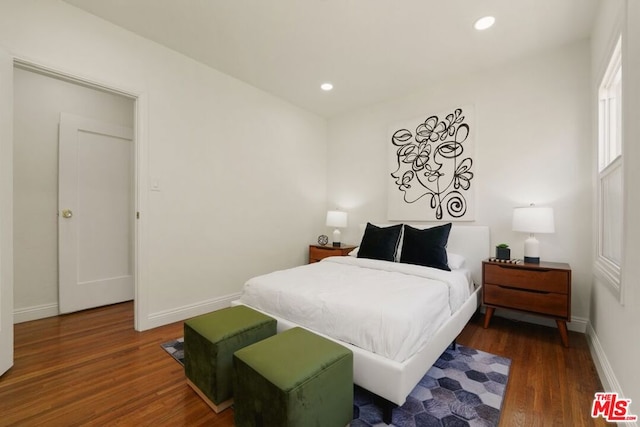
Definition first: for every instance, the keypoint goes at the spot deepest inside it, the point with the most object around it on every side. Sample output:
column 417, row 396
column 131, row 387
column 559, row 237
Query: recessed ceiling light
column 484, row 23
column 326, row 86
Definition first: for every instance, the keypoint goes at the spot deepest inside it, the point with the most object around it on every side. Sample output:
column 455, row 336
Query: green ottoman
column 295, row 378
column 209, row 343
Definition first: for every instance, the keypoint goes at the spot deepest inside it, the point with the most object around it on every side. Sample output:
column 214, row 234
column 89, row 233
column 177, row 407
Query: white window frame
column 610, row 151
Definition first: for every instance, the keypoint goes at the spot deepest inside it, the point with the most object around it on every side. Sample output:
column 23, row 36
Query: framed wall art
column 431, row 167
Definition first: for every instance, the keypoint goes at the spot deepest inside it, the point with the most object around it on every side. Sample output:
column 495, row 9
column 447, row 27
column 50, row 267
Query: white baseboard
column 605, row 371
column 577, row 324
column 607, row 377
column 154, row 320
column 178, row 314
column 35, row 312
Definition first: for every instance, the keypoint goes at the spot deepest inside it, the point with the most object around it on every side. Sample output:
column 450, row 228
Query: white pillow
column 455, row 261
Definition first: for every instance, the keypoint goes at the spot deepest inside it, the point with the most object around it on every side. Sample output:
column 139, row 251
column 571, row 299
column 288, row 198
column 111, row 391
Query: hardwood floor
column 92, row 368
column 549, row 384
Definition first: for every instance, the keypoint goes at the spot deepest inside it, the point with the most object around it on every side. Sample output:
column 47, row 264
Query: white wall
column 614, row 336
column 532, row 145
column 38, row 102
column 241, row 173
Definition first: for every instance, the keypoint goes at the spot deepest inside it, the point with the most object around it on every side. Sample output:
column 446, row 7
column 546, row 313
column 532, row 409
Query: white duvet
column 388, row 308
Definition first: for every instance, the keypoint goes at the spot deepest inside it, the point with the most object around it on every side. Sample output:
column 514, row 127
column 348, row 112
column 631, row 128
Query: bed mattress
column 387, row 308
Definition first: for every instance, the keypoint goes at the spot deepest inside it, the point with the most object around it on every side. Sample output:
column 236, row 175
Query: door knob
column 66, row 213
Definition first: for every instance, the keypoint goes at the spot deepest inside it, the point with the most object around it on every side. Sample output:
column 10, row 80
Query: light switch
column 155, row 184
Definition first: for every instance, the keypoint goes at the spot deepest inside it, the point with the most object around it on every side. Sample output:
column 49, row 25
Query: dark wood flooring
column 92, row 368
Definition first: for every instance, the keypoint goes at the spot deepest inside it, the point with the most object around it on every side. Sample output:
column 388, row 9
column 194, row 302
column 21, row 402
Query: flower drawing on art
column 431, row 164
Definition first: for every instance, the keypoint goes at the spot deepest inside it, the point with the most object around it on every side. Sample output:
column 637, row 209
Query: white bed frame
column 394, row 380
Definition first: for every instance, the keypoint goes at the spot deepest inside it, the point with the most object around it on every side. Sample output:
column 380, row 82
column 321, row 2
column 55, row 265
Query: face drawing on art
column 430, row 164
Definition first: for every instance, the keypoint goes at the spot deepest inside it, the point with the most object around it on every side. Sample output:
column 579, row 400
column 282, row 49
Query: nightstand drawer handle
column 507, row 267
column 531, row 291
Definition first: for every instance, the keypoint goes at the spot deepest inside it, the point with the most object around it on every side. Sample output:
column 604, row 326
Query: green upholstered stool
column 209, row 343
column 295, row 378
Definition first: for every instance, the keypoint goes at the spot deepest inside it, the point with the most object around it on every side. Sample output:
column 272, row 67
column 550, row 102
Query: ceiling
column 371, row 50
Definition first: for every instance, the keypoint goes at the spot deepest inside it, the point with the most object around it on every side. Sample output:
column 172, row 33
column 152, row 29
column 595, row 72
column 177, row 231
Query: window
column 610, row 177
column 610, row 112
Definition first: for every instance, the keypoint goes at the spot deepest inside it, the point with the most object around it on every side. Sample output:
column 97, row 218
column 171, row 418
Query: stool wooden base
column 217, row 408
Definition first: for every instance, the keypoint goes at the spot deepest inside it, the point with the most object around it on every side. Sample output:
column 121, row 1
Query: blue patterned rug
column 465, row 387
column 176, row 349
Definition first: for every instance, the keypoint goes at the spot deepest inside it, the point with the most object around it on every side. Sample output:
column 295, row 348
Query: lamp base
column 532, row 250
column 336, row 238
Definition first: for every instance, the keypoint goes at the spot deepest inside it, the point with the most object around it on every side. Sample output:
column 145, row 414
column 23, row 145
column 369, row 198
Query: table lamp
column 533, row 219
column 337, row 219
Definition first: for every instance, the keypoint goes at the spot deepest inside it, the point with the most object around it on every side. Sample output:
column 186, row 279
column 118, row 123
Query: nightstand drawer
column 317, row 254
column 552, row 304
column 538, row 279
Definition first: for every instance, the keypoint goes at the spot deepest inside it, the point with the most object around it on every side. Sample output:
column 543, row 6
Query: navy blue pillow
column 426, row 247
column 380, row 242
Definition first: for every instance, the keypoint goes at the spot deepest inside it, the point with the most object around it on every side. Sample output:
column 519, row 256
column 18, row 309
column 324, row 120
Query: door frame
column 6, row 212
column 140, row 173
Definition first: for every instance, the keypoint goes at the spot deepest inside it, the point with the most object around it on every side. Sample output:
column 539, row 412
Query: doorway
column 40, row 97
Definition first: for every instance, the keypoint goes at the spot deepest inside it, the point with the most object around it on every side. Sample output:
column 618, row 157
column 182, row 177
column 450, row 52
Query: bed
column 391, row 363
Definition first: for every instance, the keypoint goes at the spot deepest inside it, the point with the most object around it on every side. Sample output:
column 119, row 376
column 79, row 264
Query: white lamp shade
column 533, row 219
column 336, row 219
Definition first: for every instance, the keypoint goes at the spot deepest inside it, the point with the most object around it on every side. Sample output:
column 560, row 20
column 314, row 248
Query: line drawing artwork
column 432, row 163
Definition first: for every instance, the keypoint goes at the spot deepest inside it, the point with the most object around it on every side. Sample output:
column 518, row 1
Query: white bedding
column 388, row 308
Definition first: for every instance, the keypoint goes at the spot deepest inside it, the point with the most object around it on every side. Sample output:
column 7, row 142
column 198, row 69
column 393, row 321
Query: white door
column 6, row 212
column 95, row 213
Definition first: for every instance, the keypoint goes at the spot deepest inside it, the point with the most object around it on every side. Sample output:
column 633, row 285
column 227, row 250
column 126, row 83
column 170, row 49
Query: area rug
column 176, row 349
column 465, row 387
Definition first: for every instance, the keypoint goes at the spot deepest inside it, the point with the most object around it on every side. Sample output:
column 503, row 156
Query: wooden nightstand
column 318, row 252
column 543, row 289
